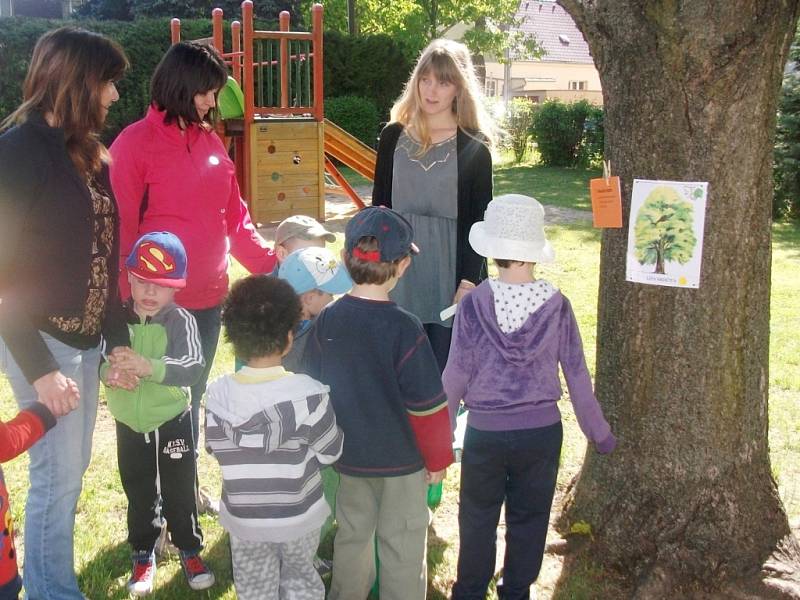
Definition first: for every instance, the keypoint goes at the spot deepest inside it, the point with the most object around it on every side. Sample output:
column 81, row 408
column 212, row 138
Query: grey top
column 425, row 191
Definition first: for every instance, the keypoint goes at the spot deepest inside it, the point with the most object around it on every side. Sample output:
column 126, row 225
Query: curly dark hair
column 258, row 315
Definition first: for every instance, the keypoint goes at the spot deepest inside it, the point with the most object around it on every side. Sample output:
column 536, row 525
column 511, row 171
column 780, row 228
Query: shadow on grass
column 583, row 579
column 786, row 237
column 436, row 549
column 101, row 576
column 106, row 575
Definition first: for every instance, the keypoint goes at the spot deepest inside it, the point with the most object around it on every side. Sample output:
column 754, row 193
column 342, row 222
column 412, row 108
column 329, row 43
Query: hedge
column 568, row 135
column 369, row 66
column 372, row 67
column 358, row 116
column 144, row 41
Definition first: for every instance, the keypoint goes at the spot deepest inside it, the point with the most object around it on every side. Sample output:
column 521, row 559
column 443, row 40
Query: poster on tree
column 665, row 232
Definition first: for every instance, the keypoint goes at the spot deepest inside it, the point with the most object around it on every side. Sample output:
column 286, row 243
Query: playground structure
column 283, row 146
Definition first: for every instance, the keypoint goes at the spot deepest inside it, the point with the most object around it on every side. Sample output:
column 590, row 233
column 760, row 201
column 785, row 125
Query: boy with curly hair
column 270, row 430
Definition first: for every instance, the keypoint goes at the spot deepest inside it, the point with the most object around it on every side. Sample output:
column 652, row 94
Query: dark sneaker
column 143, row 575
column 198, row 575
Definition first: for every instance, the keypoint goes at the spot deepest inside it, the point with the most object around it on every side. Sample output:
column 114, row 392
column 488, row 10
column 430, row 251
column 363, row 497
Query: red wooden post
column 216, row 28
column 175, row 30
column 247, row 81
column 284, row 26
column 236, row 48
column 316, row 31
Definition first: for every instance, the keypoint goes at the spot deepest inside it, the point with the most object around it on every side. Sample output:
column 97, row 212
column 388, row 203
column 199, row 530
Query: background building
column 566, row 71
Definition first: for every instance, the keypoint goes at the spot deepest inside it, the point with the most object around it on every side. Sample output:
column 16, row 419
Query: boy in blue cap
column 316, row 276
column 155, row 447
column 393, row 414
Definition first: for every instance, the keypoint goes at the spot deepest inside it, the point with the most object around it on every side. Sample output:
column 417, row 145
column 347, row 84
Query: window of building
column 578, row 85
column 491, row 87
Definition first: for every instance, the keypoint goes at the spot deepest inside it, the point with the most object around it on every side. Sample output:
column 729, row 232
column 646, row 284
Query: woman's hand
column 464, row 287
column 58, row 393
column 125, row 359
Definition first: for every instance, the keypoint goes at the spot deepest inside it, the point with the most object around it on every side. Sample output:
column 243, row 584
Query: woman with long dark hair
column 172, row 173
column 58, row 279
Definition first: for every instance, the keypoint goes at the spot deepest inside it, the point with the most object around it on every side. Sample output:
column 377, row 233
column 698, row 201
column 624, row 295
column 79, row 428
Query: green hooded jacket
column 171, row 342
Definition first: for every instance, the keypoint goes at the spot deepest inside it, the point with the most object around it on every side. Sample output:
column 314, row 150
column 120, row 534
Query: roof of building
column 554, row 29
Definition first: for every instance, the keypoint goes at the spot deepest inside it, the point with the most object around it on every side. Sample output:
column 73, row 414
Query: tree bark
column 352, row 18
column 690, row 94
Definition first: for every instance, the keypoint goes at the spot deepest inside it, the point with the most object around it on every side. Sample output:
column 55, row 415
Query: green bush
column 144, row 41
column 590, row 151
column 559, row 132
column 358, row 116
column 786, row 173
column 516, row 124
column 372, row 67
column 369, row 66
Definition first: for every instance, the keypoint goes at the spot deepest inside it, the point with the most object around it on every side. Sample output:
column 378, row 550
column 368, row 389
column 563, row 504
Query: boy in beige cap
column 299, row 231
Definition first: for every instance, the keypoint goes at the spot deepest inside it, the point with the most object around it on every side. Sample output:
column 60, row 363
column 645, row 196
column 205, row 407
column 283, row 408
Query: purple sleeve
column 579, row 383
column 456, row 376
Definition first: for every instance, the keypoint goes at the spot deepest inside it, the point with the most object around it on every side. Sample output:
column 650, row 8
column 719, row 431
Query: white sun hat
column 512, row 229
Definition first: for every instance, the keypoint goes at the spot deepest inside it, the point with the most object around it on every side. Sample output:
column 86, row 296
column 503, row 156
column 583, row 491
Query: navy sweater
column 385, row 386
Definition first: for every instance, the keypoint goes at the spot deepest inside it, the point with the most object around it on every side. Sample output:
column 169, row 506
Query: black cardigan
column 474, row 192
column 46, row 242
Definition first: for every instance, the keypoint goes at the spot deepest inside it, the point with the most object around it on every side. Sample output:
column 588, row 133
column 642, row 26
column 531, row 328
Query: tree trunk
column 352, row 19
column 660, row 264
column 690, row 94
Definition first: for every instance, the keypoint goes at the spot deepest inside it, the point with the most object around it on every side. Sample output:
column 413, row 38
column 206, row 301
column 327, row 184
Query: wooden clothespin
column 606, row 170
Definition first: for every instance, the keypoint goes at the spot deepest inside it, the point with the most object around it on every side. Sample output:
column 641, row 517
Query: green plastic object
column 434, row 495
column 231, row 100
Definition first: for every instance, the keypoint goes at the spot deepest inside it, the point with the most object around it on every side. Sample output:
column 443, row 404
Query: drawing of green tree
column 664, row 229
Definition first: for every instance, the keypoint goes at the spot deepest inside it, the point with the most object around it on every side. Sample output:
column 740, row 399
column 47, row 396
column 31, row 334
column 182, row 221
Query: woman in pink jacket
column 170, row 172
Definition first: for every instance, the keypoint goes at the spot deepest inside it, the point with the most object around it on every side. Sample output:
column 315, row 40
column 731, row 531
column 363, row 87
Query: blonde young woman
column 59, row 242
column 434, row 167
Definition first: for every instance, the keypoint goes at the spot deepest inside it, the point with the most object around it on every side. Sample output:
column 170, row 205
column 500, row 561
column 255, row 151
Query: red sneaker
column 198, row 575
column 143, row 575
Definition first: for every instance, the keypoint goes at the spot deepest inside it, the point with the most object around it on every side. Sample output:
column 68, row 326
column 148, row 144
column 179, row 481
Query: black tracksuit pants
column 159, row 475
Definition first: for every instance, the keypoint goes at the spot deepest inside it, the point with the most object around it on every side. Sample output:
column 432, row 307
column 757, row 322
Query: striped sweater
column 271, row 430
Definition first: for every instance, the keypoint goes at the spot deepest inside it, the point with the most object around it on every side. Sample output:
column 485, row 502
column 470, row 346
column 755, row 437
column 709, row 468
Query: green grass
column 101, row 551
column 549, row 185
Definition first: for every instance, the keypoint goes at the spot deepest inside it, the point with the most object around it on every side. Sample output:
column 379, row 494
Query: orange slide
column 351, row 152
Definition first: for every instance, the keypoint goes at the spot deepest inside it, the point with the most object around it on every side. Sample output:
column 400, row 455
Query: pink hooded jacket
column 185, row 184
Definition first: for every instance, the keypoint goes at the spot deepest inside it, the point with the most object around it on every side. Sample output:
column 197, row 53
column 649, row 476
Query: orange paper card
column 606, row 202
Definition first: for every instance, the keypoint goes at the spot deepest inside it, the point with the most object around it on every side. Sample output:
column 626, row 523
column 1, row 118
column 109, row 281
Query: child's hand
column 607, row 445
column 435, row 477
column 121, row 378
column 126, row 359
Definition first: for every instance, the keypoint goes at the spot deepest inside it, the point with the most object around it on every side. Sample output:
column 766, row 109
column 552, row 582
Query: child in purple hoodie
column 509, row 337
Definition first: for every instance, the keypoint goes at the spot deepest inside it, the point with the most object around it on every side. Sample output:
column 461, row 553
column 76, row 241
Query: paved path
column 339, row 209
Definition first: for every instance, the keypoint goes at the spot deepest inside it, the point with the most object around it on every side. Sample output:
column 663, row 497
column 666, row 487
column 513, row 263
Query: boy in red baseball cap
column 155, row 446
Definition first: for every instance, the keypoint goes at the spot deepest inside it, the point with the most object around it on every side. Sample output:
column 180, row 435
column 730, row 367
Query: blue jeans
column 57, row 464
column 208, row 326
column 519, row 467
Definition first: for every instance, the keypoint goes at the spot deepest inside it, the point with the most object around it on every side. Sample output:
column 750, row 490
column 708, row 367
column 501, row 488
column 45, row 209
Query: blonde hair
column 450, row 62
column 68, row 71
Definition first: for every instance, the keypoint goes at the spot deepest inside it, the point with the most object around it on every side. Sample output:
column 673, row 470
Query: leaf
column 581, row 528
